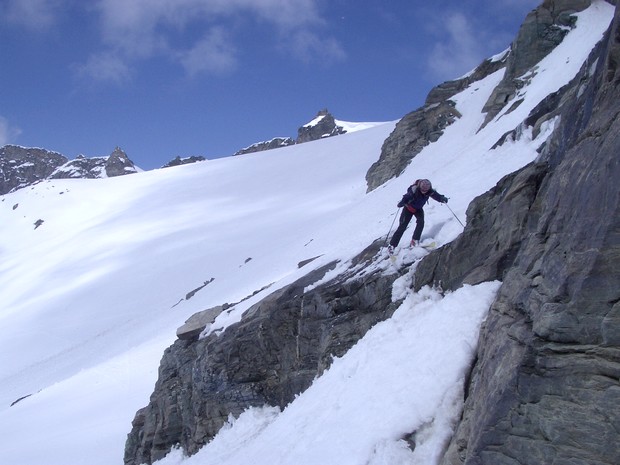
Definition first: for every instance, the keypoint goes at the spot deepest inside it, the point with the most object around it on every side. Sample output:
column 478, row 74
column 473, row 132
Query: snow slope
column 91, row 298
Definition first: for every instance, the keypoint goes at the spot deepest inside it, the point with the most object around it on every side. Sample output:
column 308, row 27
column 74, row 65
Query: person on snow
column 413, row 205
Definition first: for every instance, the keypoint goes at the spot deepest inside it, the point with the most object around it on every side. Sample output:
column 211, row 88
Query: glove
column 400, row 204
column 444, row 199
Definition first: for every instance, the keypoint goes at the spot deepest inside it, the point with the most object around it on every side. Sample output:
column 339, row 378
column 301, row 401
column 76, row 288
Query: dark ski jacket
column 414, row 200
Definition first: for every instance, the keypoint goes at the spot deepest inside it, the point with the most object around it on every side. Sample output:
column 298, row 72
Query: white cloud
column 105, row 67
column 214, row 54
column 462, row 47
column 307, row 45
column 134, row 30
column 8, row 133
column 458, row 50
column 32, row 14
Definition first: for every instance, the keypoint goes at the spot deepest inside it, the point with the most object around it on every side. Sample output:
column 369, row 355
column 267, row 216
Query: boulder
column 197, row 323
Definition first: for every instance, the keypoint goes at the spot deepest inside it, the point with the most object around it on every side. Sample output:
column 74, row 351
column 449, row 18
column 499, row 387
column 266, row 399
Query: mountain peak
column 323, row 125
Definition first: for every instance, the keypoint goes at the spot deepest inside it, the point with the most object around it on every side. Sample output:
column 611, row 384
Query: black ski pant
column 403, row 222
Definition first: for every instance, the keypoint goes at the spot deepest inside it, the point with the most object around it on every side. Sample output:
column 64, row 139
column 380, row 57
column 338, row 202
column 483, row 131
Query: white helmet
column 425, row 185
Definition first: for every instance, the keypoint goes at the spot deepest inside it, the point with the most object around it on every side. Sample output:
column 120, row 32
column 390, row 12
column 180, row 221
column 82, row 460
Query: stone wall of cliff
column 546, row 385
column 273, row 354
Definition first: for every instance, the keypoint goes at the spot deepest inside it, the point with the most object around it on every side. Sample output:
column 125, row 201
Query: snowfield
column 90, row 299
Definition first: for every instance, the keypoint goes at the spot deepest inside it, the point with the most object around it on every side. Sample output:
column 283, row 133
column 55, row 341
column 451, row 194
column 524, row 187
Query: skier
column 413, row 203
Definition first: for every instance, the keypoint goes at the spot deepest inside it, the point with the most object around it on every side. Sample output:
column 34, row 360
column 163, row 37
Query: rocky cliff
column 546, row 381
column 274, row 353
column 21, row 166
column 546, row 386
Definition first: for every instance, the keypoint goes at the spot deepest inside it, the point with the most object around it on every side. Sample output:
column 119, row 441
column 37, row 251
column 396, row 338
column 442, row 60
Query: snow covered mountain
column 92, row 297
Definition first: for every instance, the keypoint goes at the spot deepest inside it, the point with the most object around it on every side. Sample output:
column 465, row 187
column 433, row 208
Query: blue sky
column 167, row 78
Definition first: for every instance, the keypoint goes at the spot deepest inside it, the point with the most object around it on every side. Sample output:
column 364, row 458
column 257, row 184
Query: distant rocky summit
column 183, row 161
column 117, row 164
column 274, row 143
column 323, row 125
column 22, row 166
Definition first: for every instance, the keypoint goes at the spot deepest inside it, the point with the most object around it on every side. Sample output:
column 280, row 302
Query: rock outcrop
column 543, row 30
column 546, row 384
column 425, row 125
column 117, row 164
column 183, row 161
column 412, row 133
column 274, row 143
column 324, row 125
column 273, row 354
column 22, row 166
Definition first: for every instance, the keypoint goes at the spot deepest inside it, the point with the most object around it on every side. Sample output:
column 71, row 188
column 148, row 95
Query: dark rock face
column 274, row 143
column 423, row 126
column 411, row 134
column 326, row 127
column 274, row 353
column 496, row 224
column 21, row 166
column 183, row 161
column 543, row 30
column 546, row 386
column 118, row 164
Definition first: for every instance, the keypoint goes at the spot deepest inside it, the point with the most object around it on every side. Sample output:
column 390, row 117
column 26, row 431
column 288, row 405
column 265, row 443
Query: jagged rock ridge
column 117, row 164
column 177, row 161
column 274, row 143
column 323, row 125
column 543, row 29
column 21, row 166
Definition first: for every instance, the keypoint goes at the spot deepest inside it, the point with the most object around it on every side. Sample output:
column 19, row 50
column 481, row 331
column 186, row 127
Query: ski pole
column 388, row 234
column 457, row 218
